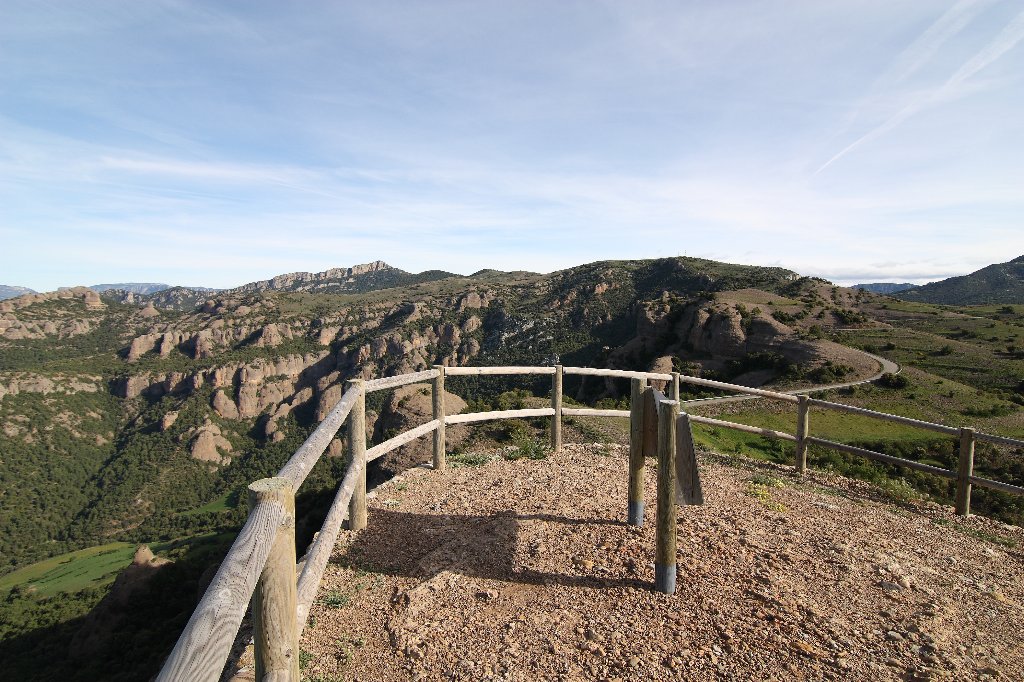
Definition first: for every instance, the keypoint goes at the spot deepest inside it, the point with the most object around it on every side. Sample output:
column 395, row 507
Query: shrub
column 890, row 380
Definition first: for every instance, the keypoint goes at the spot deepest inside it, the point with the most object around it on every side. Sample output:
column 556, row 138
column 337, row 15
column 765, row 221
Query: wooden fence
column 260, row 566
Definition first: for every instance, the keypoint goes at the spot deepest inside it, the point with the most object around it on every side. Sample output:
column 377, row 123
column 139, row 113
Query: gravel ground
column 524, row 570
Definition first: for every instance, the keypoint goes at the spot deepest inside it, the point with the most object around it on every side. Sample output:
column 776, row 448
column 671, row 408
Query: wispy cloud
column 954, row 86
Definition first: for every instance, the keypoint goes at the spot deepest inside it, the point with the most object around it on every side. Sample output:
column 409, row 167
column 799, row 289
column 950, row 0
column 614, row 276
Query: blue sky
column 215, row 143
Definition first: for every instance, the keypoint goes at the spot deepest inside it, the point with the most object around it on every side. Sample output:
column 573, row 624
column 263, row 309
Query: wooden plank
column 886, row 417
column 400, row 440
column 498, row 414
column 309, row 453
column 688, row 487
column 635, row 501
column 437, row 402
column 674, row 387
column 768, row 433
column 999, row 440
column 738, row 389
column 204, row 644
column 477, row 371
column 357, row 455
column 665, row 523
column 274, row 605
column 964, row 472
column 399, row 380
column 616, row 373
column 997, row 485
column 320, row 553
column 650, row 434
column 556, row 405
column 888, row 459
column 588, row 412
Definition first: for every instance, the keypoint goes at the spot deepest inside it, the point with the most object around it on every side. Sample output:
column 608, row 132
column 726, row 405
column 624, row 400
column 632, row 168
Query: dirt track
column 524, row 570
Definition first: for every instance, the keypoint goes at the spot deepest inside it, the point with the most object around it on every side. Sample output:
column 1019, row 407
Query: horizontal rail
column 885, row 416
column 319, row 554
column 475, row 371
column 617, row 373
column 309, row 453
column 578, row 412
column 502, row 414
column 998, row 440
column 735, row 388
column 399, row 380
column 888, row 459
column 997, row 485
column 401, row 439
column 204, row 644
column 770, row 433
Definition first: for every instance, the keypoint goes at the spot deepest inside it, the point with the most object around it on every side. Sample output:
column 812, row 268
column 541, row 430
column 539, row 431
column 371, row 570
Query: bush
column 890, row 380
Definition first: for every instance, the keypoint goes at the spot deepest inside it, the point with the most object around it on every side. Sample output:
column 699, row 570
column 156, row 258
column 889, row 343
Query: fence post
column 803, row 424
column 357, row 454
column 439, row 414
column 556, row 404
column 673, row 393
column 635, row 511
column 275, row 603
column 665, row 552
column 963, row 478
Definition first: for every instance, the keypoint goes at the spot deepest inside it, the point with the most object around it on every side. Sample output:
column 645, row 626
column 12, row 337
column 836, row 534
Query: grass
column 74, row 571
column 975, row 533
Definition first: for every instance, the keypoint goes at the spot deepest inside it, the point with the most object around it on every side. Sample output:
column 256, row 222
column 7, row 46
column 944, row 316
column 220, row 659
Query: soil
column 525, row 570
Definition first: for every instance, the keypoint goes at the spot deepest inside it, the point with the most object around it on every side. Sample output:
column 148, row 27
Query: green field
column 74, row 571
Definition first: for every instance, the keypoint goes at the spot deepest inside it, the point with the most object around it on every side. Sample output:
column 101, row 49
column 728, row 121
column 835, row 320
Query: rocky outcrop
column 209, row 444
column 407, row 407
column 25, row 382
column 294, row 280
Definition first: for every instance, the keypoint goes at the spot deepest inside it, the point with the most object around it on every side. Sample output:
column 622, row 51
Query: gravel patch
column 525, row 570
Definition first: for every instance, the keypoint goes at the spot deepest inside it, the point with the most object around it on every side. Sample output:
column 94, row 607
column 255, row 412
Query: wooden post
column 803, row 424
column 665, row 553
column 673, row 392
column 963, row 478
column 357, row 453
column 439, row 414
column 635, row 511
column 556, row 405
column 275, row 605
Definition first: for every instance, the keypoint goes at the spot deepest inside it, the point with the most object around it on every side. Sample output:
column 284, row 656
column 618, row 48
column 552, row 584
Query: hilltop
column 524, row 570
column 998, row 283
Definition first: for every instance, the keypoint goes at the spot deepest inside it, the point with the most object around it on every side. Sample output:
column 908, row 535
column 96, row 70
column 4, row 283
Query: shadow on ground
column 422, row 545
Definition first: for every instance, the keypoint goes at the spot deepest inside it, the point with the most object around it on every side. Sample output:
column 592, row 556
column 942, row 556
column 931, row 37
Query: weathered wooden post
column 963, row 477
column 665, row 552
column 357, row 453
column 275, row 604
column 556, row 405
column 635, row 511
column 673, row 391
column 803, row 423
column 439, row 414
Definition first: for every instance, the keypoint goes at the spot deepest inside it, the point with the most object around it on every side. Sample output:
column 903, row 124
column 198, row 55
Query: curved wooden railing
column 260, row 565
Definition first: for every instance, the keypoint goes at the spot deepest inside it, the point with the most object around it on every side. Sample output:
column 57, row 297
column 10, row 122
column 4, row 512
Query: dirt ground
column 525, row 570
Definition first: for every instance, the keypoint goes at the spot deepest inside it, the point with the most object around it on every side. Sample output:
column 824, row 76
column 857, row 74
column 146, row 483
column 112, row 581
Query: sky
column 217, row 143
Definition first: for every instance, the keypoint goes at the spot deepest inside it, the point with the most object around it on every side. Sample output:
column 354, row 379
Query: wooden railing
column 260, row 565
